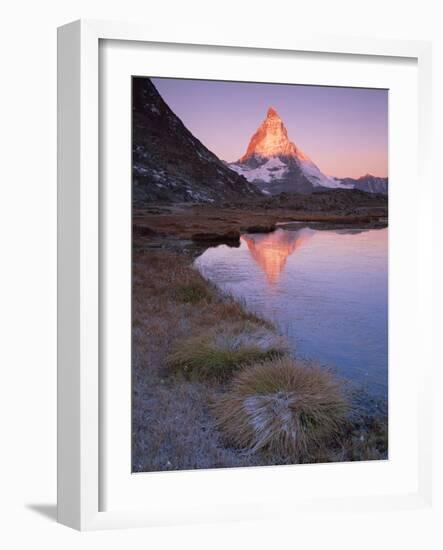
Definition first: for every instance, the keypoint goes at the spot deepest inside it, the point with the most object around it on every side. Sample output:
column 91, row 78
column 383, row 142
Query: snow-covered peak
column 275, row 164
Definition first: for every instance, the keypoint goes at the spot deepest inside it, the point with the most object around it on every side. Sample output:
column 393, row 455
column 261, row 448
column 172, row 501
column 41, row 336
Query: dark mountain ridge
column 169, row 163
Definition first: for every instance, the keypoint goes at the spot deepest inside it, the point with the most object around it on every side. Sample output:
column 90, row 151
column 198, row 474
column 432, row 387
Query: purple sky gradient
column 343, row 130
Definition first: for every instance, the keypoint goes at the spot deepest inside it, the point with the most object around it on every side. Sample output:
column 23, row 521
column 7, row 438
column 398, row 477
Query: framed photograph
column 241, row 266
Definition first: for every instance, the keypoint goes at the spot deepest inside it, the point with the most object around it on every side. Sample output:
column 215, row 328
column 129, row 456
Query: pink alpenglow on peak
column 271, row 140
column 276, row 165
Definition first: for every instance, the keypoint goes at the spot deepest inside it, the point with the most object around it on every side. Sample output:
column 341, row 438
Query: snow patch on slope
column 272, row 169
column 318, row 179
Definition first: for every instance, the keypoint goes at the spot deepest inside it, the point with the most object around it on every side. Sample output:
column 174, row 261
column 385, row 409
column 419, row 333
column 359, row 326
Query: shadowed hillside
column 169, row 163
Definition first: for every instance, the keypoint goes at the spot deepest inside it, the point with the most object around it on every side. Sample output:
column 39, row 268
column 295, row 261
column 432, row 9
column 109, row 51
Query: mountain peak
column 275, row 163
column 271, row 140
column 272, row 113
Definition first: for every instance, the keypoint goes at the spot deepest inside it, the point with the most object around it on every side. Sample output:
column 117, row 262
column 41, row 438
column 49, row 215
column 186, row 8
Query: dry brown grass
column 199, row 221
column 192, row 292
column 284, row 406
column 218, row 352
column 172, row 425
column 164, row 283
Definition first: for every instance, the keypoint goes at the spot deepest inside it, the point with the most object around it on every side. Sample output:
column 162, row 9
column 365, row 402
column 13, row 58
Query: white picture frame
column 80, row 410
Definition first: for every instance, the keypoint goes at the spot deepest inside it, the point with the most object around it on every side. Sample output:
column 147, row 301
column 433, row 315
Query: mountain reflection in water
column 271, row 250
column 326, row 290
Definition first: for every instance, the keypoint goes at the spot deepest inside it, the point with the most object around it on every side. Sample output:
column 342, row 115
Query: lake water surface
column 327, row 290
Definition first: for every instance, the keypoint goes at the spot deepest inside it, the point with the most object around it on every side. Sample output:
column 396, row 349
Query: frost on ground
column 173, row 421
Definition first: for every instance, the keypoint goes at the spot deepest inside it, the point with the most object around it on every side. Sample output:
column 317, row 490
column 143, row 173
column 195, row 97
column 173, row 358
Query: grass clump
column 192, row 292
column 221, row 350
column 282, row 406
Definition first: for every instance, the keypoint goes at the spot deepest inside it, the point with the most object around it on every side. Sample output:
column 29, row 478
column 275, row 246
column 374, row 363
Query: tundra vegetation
column 215, row 386
column 223, row 349
column 287, row 406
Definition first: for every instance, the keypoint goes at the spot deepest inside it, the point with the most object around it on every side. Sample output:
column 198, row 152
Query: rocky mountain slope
column 368, row 183
column 169, row 163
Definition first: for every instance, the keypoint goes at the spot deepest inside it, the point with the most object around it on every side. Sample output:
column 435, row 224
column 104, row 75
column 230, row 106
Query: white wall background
column 28, row 267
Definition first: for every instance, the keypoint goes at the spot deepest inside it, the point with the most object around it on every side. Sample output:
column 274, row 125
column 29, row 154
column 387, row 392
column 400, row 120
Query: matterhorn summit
column 275, row 164
column 271, row 140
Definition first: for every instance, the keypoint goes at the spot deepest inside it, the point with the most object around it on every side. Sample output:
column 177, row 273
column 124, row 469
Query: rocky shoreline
column 205, row 224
